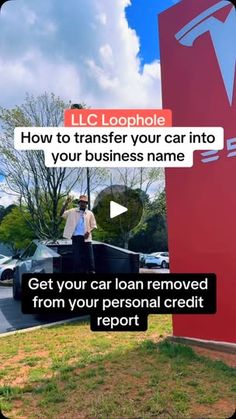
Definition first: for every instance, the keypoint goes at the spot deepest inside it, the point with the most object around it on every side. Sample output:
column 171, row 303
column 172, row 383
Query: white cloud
column 34, row 73
column 6, row 200
column 106, row 55
column 31, row 17
column 7, row 197
column 85, row 52
column 102, row 18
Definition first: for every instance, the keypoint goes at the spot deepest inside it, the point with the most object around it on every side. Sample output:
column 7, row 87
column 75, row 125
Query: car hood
column 10, row 265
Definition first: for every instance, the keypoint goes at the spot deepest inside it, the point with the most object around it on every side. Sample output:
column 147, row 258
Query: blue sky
column 96, row 51
column 142, row 16
column 103, row 53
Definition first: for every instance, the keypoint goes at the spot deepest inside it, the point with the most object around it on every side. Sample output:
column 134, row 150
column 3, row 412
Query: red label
column 117, row 118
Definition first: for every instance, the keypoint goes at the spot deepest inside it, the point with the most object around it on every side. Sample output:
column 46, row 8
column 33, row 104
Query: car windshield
column 44, row 252
column 29, row 251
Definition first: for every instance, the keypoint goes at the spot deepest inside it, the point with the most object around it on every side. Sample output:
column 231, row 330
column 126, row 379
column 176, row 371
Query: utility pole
column 88, row 187
column 79, row 106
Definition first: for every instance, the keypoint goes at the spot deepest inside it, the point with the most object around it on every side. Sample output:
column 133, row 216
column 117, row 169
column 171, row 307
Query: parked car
column 163, row 258
column 49, row 257
column 6, row 269
column 152, row 261
column 4, row 258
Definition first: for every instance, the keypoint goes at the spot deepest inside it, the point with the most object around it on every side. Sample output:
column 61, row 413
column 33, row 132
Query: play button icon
column 116, row 209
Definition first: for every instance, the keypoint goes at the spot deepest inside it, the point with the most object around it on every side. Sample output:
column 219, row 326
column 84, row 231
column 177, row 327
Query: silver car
column 4, row 258
column 163, row 259
column 7, row 268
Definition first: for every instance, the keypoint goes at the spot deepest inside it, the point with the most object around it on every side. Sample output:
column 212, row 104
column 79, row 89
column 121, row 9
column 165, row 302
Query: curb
column 225, row 347
column 6, row 284
column 42, row 326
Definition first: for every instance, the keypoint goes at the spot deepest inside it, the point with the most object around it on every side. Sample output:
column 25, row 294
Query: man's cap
column 76, row 106
column 83, row 198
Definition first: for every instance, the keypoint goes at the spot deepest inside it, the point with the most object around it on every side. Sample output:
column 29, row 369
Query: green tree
column 39, row 188
column 5, row 210
column 140, row 181
column 143, row 178
column 152, row 233
column 158, row 206
column 120, row 230
column 14, row 229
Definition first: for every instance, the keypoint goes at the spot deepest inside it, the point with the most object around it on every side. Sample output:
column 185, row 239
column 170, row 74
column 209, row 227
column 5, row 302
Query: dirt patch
column 14, row 359
column 220, row 409
column 22, row 378
column 32, row 409
column 19, row 358
column 228, row 359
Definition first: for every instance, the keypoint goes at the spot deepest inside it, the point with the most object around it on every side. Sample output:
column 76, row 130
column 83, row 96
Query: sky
column 142, row 17
column 104, row 53
column 94, row 51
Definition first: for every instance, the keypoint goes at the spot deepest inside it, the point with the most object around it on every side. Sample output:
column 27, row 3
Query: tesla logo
column 213, row 155
column 223, row 35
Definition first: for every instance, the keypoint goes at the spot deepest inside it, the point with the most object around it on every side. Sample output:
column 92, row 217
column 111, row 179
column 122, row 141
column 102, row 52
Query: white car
column 4, row 258
column 6, row 269
column 163, row 259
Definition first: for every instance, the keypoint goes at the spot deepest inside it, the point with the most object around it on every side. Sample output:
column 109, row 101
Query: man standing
column 80, row 222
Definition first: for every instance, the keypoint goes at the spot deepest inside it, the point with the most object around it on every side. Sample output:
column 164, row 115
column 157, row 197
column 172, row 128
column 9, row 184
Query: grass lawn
column 70, row 372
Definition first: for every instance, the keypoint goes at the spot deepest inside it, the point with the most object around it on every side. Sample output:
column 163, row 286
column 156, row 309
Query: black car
column 42, row 256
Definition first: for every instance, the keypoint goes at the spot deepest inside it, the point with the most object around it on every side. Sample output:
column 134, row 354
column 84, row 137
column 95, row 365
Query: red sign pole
column 198, row 57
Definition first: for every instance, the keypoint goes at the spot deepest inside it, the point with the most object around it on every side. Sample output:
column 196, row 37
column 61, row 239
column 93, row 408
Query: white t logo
column 223, row 35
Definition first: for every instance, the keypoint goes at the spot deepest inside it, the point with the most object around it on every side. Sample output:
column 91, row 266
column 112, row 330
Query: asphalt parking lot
column 11, row 317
